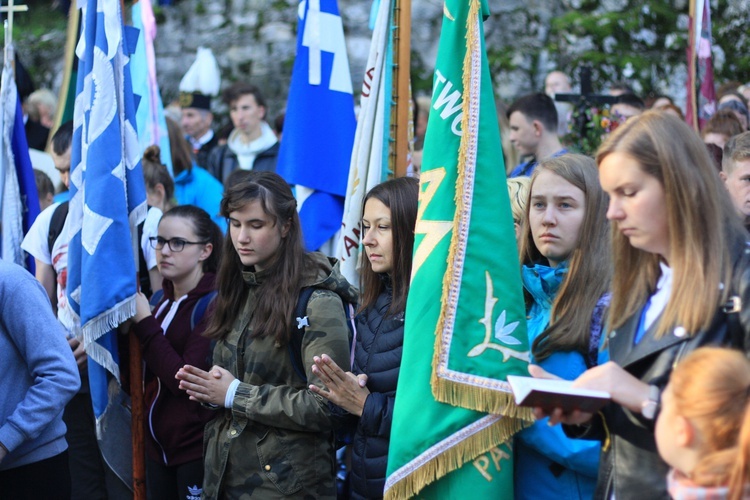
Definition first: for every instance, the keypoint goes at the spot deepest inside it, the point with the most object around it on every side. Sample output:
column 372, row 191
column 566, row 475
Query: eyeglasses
column 175, row 244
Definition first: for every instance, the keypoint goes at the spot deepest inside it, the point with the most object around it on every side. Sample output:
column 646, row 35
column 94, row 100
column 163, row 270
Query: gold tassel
column 454, row 458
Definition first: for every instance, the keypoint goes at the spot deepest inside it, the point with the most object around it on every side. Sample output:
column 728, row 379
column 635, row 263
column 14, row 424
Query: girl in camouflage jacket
column 272, row 437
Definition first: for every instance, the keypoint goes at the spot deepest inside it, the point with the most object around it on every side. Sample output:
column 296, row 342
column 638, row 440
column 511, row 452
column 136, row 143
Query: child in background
column 44, row 188
column 160, row 198
column 703, row 431
column 518, row 192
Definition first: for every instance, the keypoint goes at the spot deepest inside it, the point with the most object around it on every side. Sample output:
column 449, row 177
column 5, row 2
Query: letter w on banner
column 319, row 122
column 465, row 328
column 108, row 196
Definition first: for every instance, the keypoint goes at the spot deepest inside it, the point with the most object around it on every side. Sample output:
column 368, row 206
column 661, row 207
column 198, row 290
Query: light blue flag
column 319, row 124
column 152, row 126
column 108, row 196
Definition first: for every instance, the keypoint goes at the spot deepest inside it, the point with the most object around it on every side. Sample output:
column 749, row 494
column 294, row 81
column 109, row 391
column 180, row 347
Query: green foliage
column 645, row 42
column 640, row 43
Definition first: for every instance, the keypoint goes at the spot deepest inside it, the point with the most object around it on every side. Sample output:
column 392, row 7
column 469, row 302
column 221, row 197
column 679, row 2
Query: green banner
column 465, row 316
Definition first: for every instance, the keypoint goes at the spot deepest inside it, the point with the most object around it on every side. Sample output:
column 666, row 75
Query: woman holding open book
column 680, row 282
column 565, row 252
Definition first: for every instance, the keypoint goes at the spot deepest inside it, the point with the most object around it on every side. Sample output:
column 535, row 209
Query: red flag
column 701, row 95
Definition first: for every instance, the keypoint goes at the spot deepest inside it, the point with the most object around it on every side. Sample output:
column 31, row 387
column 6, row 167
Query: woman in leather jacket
column 680, row 281
column 369, row 391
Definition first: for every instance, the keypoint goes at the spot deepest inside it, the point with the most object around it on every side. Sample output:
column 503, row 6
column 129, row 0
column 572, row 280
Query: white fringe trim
column 108, row 320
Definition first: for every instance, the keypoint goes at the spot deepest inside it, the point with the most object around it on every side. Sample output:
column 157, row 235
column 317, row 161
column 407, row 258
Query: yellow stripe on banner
column 71, row 40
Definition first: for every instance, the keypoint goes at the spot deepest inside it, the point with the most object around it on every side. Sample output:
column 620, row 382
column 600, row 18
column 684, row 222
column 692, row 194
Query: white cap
column 201, row 81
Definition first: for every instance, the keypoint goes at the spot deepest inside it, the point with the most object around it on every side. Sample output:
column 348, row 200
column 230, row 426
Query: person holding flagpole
column 272, row 436
column 565, row 252
column 681, row 280
column 369, row 390
column 187, row 245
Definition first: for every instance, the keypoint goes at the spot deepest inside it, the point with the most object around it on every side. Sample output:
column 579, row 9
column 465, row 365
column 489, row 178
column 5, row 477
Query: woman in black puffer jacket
column 369, row 391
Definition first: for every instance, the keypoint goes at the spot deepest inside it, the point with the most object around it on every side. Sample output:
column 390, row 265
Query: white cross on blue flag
column 319, row 124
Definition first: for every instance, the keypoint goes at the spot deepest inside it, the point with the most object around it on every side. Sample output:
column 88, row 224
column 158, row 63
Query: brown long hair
column 702, row 222
column 278, row 293
column 205, row 229
column 154, row 172
column 182, row 153
column 589, row 271
column 711, row 389
column 400, row 196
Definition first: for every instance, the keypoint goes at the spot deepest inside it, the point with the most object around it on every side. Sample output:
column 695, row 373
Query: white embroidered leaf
column 503, row 332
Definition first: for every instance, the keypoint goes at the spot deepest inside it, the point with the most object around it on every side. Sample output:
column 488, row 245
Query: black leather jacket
column 630, row 466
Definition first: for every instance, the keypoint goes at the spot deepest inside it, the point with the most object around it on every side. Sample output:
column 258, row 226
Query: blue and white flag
column 369, row 160
column 20, row 201
column 108, row 196
column 319, row 124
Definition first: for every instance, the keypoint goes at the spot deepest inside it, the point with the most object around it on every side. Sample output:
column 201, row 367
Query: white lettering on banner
column 325, row 32
column 450, row 102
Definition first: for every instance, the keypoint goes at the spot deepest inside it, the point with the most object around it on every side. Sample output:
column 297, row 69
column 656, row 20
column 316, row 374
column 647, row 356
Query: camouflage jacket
column 276, row 441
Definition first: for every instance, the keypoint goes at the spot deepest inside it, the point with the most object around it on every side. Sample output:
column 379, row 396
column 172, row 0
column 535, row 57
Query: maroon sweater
column 175, row 424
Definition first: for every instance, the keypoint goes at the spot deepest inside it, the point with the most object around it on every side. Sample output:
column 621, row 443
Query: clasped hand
column 343, row 389
column 205, row 386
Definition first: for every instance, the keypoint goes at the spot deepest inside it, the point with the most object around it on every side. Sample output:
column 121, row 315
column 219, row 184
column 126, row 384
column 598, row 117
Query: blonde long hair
column 711, row 388
column 703, row 226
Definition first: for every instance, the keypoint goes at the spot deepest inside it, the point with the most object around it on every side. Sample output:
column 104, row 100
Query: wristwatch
column 650, row 405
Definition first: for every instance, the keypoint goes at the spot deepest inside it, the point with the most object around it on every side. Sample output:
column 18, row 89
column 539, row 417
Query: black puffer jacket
column 380, row 341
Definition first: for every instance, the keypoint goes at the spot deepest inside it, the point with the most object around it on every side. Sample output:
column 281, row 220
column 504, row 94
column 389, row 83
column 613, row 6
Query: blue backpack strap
column 199, row 310
column 299, row 323
column 156, row 298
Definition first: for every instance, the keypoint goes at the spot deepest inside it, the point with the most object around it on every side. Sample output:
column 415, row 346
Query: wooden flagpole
column 137, row 420
column 137, row 398
column 402, row 86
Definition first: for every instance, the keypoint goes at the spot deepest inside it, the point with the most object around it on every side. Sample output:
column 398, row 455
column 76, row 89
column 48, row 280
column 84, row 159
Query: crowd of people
column 635, row 267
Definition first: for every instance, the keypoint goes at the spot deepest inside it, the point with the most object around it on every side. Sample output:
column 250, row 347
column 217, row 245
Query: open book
column 550, row 394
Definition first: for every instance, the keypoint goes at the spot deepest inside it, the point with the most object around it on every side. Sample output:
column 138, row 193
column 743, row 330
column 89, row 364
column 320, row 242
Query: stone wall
column 256, row 40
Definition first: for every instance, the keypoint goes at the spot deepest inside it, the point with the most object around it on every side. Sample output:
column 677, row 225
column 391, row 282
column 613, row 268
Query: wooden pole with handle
column 402, row 86
column 137, row 419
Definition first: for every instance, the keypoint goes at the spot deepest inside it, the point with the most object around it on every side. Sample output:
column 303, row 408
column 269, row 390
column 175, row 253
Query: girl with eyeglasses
column 272, row 436
column 187, row 248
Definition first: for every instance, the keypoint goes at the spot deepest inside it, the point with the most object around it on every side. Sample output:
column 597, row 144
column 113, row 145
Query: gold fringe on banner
column 452, row 453
column 474, row 393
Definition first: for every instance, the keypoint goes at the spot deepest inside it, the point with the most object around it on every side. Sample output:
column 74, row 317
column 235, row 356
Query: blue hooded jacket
column 548, row 464
column 197, row 187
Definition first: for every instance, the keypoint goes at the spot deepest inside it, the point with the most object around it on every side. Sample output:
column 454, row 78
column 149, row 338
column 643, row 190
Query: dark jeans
column 175, row 482
column 48, row 479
